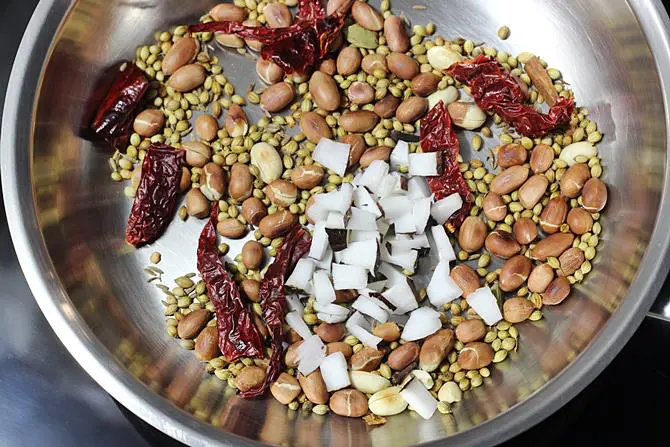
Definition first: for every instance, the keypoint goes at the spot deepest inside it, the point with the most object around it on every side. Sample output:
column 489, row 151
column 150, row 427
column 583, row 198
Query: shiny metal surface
column 67, row 221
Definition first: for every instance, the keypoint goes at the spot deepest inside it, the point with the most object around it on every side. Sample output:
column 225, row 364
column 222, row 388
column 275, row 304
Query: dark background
column 46, row 398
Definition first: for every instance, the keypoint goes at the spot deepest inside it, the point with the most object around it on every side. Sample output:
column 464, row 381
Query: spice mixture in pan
column 385, row 272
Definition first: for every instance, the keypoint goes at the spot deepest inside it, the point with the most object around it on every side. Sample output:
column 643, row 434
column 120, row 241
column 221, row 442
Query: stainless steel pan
column 67, row 220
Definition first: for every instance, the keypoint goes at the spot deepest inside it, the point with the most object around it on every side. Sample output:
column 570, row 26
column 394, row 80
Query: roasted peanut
column 466, row 115
column 358, row 147
column 197, row 154
column 291, row 355
column 466, row 278
column 206, row 127
column 324, row 91
column 367, row 16
column 367, row 359
column 375, row 153
column 373, row 62
column 251, row 289
column 250, row 377
column 361, row 93
column 517, row 309
column 341, row 6
column 433, row 351
column 241, row 182
column 197, row 204
column 502, row 244
column 411, row 109
column 227, row 12
column 579, row 220
column 475, row 355
column 388, row 331
column 277, row 224
column 236, row 122
column 328, row 66
column 424, row 84
column 514, row 273
column 472, row 234
column 349, row 403
column 149, row 122
column 359, row 122
column 349, row 61
column 403, row 355
column 570, row 261
column 277, row 97
column 511, row 155
column 553, row 246
column 231, row 228
column 307, row 177
column 556, row 291
column 574, row 179
column 540, row 277
column 315, row 127
column 268, row 71
column 396, row 36
column 281, row 193
column 214, row 182
column 330, row 332
column 285, row 389
column 253, row 210
column 314, row 387
column 553, row 215
column 541, row 158
column 525, row 230
column 509, row 180
column 277, row 15
column 268, row 161
column 187, row 78
column 252, row 254
column 339, row 346
column 594, row 195
column 402, row 65
column 181, row 53
column 185, row 180
column 386, row 107
column 470, row 330
column 207, row 344
column 494, row 207
column 191, row 325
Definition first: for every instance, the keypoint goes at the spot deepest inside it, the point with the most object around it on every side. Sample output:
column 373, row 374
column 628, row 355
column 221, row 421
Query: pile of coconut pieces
column 368, row 236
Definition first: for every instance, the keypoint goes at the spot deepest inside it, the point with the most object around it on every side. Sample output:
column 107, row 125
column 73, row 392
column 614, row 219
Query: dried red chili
column 273, row 300
column 437, row 135
column 494, row 89
column 156, row 196
column 238, row 335
column 115, row 114
column 296, row 48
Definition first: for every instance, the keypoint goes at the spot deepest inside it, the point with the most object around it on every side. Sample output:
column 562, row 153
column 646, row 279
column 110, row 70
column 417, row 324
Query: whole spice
column 295, row 48
column 437, row 135
column 156, row 196
column 497, row 91
column 273, row 300
column 238, row 335
column 116, row 110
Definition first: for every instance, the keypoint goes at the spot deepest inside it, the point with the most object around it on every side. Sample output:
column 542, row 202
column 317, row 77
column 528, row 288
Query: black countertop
column 45, row 397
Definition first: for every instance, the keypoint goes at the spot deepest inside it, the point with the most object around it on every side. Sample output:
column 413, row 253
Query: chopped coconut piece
column 364, row 201
column 302, row 274
column 396, row 207
column 423, row 164
column 362, row 220
column 349, row 276
column 334, row 372
column 400, row 155
column 401, row 296
column 332, row 309
column 317, row 212
column 323, row 288
column 485, row 304
column 325, row 262
column 361, row 253
column 332, row 319
column 332, row 155
column 295, row 304
column 391, row 184
column 357, row 325
column 443, row 209
column 419, row 398
column 392, row 275
column 310, row 354
column 319, row 241
column 406, row 260
column 377, row 286
column 337, row 200
column 373, row 174
column 421, row 213
column 417, row 188
column 422, row 322
column 442, row 289
column 295, row 321
column 383, row 226
column 443, row 246
column 365, row 305
column 399, row 245
column 335, row 220
column 362, row 236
